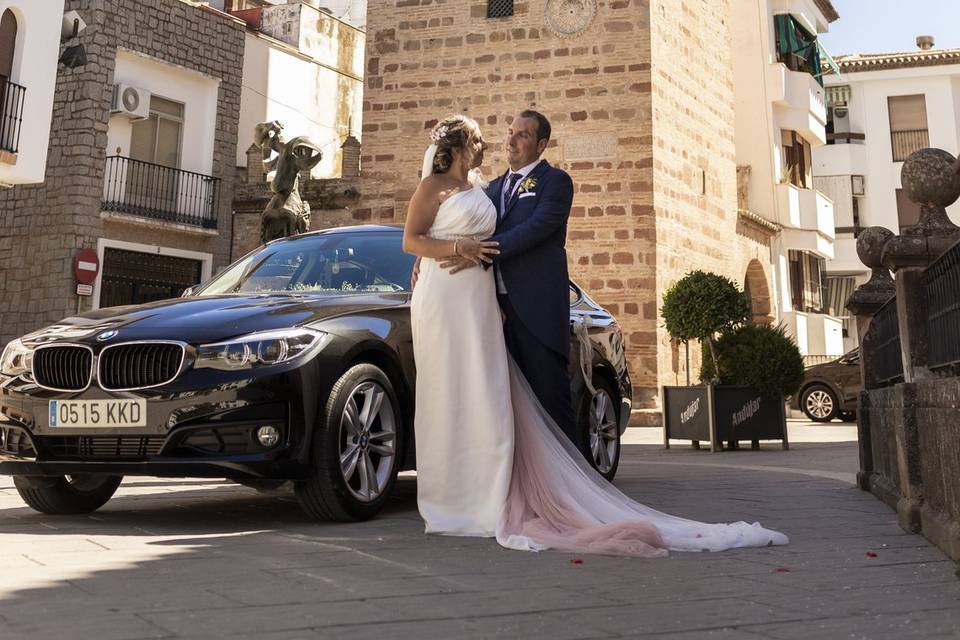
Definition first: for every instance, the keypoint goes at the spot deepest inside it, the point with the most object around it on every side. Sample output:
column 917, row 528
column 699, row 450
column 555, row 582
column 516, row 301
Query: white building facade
column 781, row 117
column 303, row 67
column 883, row 107
column 29, row 49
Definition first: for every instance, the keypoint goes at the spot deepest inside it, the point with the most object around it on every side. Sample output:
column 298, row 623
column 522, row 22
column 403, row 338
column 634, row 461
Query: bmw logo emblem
column 106, row 335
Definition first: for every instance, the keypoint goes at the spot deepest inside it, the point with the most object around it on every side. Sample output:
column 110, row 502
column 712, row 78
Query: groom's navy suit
column 532, row 232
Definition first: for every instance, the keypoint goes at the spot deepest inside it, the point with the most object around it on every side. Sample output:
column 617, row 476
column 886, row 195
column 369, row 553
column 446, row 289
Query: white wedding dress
column 490, row 460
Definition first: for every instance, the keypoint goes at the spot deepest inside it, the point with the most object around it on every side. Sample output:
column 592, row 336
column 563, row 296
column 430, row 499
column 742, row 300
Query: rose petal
column 871, row 554
column 576, row 561
column 781, row 570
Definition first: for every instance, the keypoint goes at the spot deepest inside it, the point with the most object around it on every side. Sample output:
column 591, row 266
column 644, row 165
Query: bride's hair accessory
column 453, row 132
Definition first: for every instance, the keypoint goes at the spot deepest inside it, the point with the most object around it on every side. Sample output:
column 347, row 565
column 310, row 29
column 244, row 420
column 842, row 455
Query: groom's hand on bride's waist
column 456, row 263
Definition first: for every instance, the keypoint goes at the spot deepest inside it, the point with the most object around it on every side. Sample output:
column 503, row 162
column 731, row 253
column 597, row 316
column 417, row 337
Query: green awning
column 826, row 57
column 794, row 39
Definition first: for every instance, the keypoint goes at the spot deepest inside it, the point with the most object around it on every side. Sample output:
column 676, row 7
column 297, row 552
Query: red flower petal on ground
column 781, row 570
column 576, row 561
column 871, row 554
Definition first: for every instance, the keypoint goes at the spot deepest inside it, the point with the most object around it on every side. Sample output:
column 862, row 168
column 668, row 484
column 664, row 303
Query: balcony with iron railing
column 12, row 99
column 161, row 193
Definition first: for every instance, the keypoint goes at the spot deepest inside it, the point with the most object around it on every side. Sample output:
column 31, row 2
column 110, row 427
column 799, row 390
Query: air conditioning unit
column 132, row 102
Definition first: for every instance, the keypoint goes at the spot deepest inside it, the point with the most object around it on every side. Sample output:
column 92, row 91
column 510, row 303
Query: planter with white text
column 722, row 413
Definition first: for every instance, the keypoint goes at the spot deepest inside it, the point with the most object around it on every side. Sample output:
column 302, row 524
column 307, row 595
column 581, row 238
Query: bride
column 490, row 460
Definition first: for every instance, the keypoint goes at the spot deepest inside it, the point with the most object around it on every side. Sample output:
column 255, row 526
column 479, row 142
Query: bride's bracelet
column 456, row 247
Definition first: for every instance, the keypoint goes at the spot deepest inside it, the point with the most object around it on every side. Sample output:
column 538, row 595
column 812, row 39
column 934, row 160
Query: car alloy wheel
column 819, row 404
column 368, row 437
column 604, row 431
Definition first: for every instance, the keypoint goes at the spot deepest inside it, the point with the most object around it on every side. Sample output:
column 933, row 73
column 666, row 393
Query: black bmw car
column 293, row 364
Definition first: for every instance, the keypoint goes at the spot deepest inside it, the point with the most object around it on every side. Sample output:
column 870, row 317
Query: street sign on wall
column 86, row 266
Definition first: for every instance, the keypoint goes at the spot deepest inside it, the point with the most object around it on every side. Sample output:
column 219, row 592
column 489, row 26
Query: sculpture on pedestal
column 286, row 214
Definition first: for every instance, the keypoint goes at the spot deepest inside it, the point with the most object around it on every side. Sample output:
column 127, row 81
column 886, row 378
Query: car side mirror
column 189, row 291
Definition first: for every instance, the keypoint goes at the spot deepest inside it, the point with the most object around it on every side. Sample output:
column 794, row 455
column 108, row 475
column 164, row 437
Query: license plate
column 98, row 413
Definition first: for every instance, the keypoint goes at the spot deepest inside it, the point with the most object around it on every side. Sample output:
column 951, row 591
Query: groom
column 533, row 203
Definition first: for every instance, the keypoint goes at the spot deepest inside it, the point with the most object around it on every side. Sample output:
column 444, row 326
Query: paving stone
column 208, row 559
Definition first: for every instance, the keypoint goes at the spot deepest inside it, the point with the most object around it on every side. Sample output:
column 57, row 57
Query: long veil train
column 557, row 500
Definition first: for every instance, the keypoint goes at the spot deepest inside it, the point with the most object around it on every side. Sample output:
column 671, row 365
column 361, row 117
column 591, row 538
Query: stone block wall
column 912, row 431
column 44, row 225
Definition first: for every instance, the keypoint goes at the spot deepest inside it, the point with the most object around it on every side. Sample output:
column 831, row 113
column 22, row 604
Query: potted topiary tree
column 757, row 367
column 746, row 372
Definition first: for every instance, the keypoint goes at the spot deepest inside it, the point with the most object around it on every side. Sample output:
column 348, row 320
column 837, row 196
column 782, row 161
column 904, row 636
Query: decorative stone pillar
column 864, row 304
column 255, row 171
column 929, row 178
column 350, row 158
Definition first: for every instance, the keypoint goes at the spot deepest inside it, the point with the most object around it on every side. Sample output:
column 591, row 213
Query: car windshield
column 355, row 262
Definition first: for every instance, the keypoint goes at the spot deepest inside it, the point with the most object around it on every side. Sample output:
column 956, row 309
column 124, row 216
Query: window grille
column 499, row 8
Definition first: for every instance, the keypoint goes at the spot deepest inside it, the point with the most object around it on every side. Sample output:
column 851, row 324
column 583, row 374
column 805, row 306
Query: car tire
column 598, row 424
column 353, row 477
column 819, row 403
column 67, row 495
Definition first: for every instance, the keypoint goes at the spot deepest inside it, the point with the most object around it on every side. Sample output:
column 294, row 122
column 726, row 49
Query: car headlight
column 17, row 359
column 260, row 349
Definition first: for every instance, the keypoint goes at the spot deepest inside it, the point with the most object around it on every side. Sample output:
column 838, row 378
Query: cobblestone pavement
column 202, row 559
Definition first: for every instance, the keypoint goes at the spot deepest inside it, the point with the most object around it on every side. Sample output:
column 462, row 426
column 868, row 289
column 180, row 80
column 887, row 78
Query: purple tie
column 511, row 184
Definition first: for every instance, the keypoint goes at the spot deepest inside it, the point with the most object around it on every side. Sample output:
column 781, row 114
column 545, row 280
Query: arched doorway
column 758, row 293
column 8, row 45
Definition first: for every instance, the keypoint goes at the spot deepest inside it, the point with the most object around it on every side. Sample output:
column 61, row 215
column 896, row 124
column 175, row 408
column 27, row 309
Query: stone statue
column 286, row 214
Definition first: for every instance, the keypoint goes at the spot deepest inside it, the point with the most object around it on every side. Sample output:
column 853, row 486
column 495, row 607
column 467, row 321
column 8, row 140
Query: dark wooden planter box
column 722, row 413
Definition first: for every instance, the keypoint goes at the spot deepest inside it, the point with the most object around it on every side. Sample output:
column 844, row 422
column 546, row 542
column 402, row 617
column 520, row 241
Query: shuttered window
column 908, row 125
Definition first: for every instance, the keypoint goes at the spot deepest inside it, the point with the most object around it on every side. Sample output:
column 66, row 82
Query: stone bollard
column 864, row 304
column 930, row 180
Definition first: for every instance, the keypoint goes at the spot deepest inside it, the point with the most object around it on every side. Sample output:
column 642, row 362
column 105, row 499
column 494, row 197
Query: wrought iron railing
column 943, row 306
column 906, row 142
column 12, row 98
column 164, row 193
column 885, row 333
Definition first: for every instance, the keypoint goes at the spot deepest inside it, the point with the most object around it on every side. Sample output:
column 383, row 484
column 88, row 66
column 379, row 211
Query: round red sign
column 86, row 266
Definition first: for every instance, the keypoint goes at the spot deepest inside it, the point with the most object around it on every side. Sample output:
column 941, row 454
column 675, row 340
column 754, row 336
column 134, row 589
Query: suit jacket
column 533, row 260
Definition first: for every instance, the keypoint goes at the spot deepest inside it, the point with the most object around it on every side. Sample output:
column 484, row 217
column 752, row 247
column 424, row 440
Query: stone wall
column 44, row 225
column 913, row 467
column 642, row 107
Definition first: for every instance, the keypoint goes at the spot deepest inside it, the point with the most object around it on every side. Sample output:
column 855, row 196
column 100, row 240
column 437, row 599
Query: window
column 797, row 48
column 908, row 125
column 908, row 212
column 807, row 282
column 157, row 139
column 499, row 8
column 796, row 160
column 354, row 262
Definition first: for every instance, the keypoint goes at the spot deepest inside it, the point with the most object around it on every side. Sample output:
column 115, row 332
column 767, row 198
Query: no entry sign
column 86, row 266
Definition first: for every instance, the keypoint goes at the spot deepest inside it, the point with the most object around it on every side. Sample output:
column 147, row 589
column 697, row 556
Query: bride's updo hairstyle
column 453, row 132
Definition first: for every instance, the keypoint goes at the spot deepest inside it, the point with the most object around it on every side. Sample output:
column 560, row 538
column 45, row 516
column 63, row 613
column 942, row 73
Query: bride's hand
column 477, row 251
